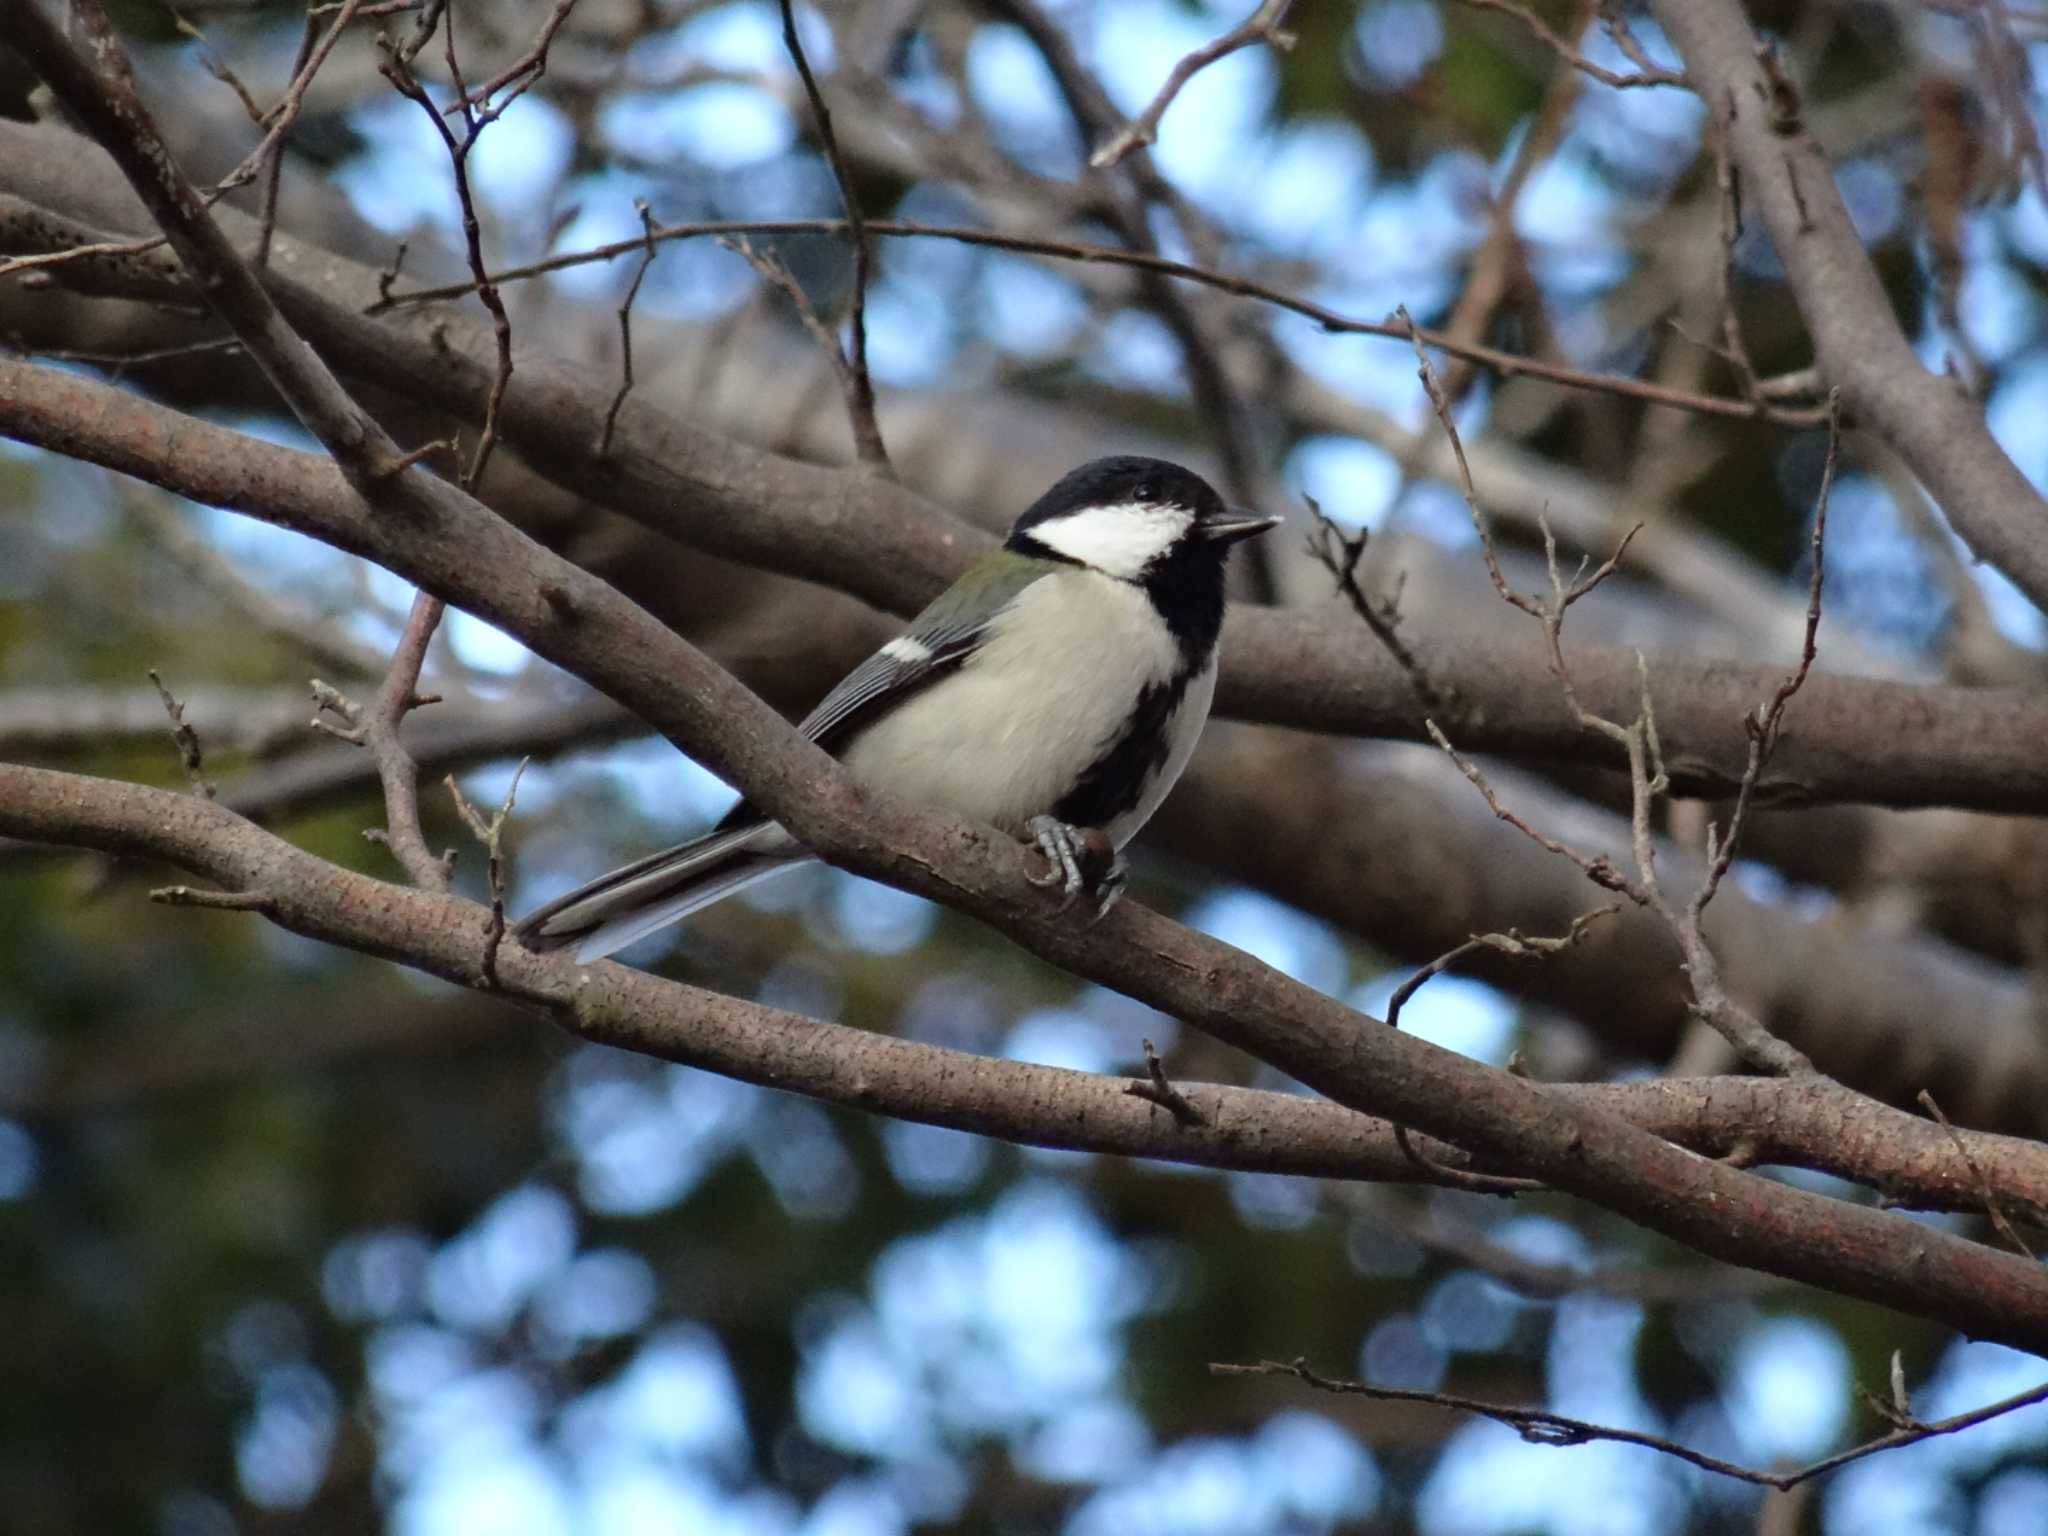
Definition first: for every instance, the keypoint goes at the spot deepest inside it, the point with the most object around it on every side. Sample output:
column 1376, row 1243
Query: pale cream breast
column 1006, row 736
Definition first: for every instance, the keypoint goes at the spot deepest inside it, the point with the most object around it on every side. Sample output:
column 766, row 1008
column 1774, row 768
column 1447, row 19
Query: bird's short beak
column 1235, row 524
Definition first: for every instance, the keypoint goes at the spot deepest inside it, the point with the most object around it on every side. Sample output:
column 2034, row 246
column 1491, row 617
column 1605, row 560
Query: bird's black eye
column 1148, row 490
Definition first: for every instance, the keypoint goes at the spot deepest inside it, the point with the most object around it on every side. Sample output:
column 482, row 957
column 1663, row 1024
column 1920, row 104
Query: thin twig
column 611, row 415
column 1598, row 868
column 1263, row 25
column 1728, row 187
column 272, row 168
column 1992, row 1205
column 286, row 112
column 396, row 66
column 491, row 834
column 1639, row 742
column 1540, row 1427
column 1647, row 73
column 1340, row 553
column 377, row 729
column 1500, row 264
column 16, row 264
column 186, row 738
column 1513, row 942
column 522, row 74
column 219, row 901
column 1132, row 195
column 860, row 388
column 771, row 269
column 1507, row 364
column 1763, row 728
column 117, row 363
column 1155, row 1089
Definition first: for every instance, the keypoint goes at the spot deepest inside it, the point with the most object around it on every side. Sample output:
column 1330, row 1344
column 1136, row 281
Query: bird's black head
column 1122, row 516
column 1147, row 522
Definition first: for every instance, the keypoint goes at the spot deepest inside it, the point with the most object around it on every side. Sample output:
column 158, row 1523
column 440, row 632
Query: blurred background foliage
column 293, row 1240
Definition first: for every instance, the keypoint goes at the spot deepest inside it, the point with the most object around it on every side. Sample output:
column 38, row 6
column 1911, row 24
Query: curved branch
column 1787, row 177
column 1810, row 1125
column 1858, row 739
column 1389, row 845
column 1242, row 1129
column 471, row 558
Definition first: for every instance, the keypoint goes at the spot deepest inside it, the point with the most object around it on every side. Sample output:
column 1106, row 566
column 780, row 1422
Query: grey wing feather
column 883, row 678
column 940, row 638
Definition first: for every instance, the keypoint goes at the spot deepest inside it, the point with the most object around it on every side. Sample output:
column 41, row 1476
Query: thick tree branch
column 1788, row 179
column 469, row 557
column 1812, row 1123
column 1869, row 741
column 101, row 92
column 1386, row 844
column 1858, row 739
column 1909, row 1161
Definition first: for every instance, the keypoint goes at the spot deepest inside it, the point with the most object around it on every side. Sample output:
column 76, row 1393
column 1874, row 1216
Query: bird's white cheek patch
column 1118, row 541
column 907, row 650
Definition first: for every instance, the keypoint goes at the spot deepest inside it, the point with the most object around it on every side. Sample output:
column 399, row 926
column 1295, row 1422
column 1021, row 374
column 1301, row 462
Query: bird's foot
column 1078, row 859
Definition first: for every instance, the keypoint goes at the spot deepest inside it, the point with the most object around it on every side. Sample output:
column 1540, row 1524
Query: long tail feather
column 615, row 909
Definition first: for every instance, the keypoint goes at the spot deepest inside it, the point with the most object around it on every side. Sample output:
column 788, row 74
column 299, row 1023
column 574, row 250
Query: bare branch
column 100, row 249
column 1262, row 26
column 1155, row 1089
column 377, row 729
column 1552, row 1132
column 1598, row 868
column 1132, row 194
column 103, row 97
column 1510, row 943
column 1640, row 742
column 1811, row 1124
column 1864, row 740
column 1540, row 1427
column 186, row 738
column 1339, row 554
column 1646, row 73
column 1764, row 726
column 1514, row 942
column 1789, row 179
column 772, row 270
column 397, row 68
column 1507, row 364
column 286, row 112
column 491, row 834
column 271, row 162
column 522, row 74
column 611, row 415
column 1992, row 1205
column 860, row 388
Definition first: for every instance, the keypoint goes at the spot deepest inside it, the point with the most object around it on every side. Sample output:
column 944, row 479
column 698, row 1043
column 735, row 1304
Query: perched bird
column 1056, row 689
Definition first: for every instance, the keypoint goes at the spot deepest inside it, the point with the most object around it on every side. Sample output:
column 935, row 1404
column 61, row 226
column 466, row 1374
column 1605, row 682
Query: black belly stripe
column 1116, row 780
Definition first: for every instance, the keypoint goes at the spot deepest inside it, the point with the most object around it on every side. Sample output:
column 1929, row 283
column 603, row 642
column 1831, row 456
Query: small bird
column 1055, row 690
